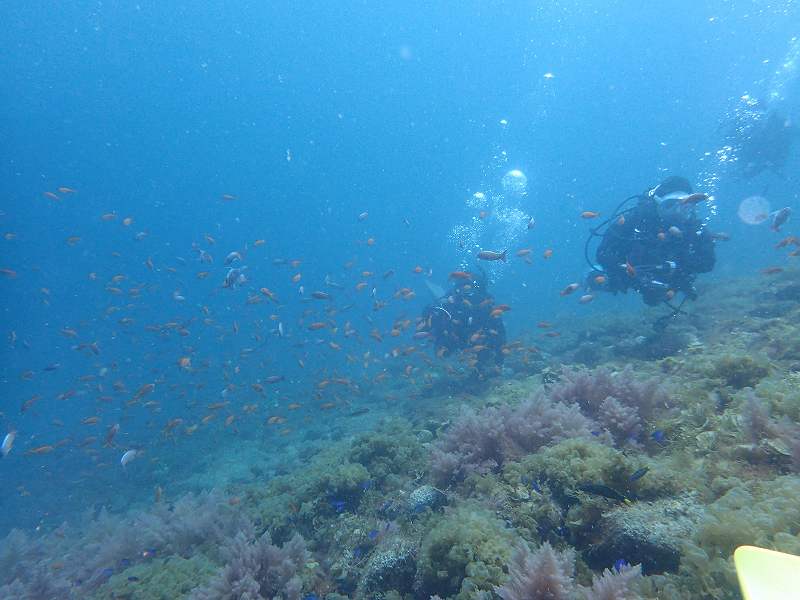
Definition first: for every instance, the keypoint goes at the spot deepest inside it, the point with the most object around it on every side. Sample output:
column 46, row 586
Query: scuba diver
column 767, row 145
column 657, row 247
column 466, row 319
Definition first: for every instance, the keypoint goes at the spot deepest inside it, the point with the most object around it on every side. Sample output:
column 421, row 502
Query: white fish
column 8, row 443
column 232, row 258
column 128, row 457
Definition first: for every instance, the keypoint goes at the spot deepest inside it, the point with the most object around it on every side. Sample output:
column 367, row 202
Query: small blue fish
column 659, row 436
column 620, row 564
column 373, row 534
column 311, row 597
column 133, row 578
column 338, row 505
column 638, row 474
column 366, row 485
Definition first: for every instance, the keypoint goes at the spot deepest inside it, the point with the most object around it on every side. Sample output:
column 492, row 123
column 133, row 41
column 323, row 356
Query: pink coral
column 547, row 574
column 618, row 400
column 544, row 574
column 257, row 570
column 482, row 442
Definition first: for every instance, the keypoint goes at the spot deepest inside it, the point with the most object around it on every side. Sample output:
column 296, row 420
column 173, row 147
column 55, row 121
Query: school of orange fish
column 166, row 380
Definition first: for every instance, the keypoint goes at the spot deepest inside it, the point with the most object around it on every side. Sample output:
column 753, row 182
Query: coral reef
column 547, row 574
column 619, row 401
column 543, row 485
column 465, row 552
column 481, row 442
column 255, row 569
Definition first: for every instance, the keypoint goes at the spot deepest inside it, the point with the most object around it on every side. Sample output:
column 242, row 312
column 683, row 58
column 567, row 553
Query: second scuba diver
column 657, row 247
column 466, row 319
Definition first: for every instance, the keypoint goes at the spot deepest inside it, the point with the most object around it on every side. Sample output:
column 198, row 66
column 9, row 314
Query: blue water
column 310, row 114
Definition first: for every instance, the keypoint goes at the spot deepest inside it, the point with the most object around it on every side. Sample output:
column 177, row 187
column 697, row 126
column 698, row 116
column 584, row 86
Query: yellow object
column 767, row 574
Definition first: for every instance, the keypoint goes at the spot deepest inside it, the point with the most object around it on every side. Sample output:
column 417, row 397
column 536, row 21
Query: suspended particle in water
column 515, row 183
column 753, row 210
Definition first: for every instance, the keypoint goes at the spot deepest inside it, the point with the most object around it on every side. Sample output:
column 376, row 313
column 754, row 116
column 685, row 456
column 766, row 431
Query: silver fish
column 8, row 443
column 779, row 217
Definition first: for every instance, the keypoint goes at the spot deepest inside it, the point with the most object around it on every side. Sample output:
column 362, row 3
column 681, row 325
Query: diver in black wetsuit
column 656, row 247
column 466, row 319
column 766, row 144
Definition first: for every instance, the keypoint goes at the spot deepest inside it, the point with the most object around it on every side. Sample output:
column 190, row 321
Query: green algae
column 739, row 371
column 168, row 578
column 465, row 552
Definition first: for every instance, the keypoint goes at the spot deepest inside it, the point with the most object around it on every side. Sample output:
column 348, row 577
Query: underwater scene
column 399, row 300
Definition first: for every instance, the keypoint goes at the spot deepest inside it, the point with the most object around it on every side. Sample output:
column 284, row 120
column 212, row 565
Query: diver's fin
column 767, row 574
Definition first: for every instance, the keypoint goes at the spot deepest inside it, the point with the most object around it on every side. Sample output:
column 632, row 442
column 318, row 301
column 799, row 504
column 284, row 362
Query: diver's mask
column 671, row 205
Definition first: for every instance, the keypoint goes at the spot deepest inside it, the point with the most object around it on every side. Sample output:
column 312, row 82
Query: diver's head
column 668, row 196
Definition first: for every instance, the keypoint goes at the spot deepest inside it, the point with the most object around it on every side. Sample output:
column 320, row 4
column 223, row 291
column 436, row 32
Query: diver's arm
column 612, row 254
column 701, row 257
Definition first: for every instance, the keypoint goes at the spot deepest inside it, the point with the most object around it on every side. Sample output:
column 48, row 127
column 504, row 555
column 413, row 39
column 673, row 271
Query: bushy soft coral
column 547, row 574
column 87, row 558
column 632, row 399
column 482, row 442
column 541, row 575
column 257, row 570
column 769, row 436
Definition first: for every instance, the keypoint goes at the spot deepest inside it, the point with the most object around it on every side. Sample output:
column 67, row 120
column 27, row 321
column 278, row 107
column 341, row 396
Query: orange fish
column 276, row 420
column 460, row 275
column 772, row 270
column 630, row 269
column 589, row 214
column 524, row 252
column 46, row 449
column 317, row 325
column 127, row 221
column 108, row 216
column 52, row 195
column 600, row 279
column 547, row 253
column 694, row 198
column 297, row 277
column 66, row 190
